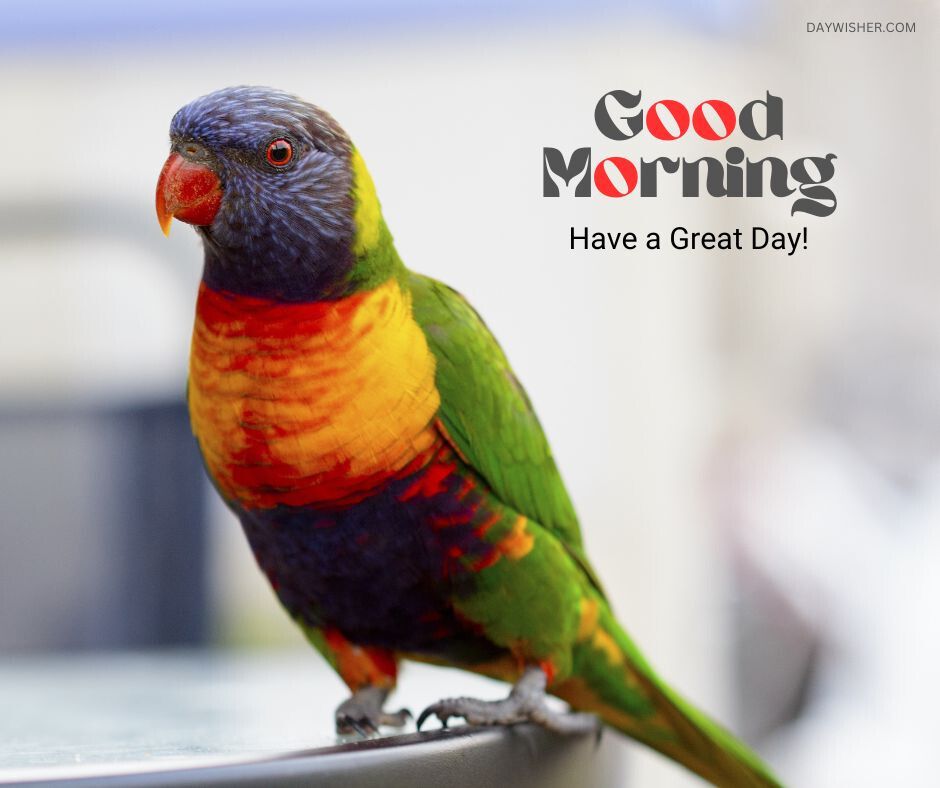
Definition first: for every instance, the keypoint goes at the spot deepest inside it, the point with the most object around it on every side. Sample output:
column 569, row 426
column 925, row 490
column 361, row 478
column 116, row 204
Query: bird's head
column 280, row 196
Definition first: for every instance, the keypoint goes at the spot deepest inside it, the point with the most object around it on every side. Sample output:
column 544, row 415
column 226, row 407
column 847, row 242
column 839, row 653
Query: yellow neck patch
column 301, row 404
column 368, row 214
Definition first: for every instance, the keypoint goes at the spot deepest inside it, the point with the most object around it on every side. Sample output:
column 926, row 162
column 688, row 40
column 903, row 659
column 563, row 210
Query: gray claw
column 526, row 703
column 362, row 713
column 349, row 725
column 437, row 709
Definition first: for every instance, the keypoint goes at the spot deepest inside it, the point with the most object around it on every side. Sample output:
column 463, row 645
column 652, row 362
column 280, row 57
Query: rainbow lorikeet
column 387, row 467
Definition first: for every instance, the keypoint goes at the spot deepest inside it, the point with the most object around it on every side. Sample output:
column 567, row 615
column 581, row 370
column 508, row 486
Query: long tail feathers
column 613, row 680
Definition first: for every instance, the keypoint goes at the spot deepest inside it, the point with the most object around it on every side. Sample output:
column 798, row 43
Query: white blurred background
column 751, row 439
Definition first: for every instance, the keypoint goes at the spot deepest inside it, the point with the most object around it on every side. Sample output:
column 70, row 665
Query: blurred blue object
column 103, row 523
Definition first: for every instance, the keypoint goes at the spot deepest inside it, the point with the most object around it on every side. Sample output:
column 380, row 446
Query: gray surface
column 261, row 719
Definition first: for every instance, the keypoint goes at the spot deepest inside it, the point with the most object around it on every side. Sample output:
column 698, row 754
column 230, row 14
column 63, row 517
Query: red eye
column 280, row 152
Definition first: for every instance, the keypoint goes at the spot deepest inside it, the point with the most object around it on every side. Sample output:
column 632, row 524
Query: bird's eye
column 279, row 153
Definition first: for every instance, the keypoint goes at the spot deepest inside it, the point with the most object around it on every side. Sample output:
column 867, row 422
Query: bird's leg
column 525, row 703
column 362, row 713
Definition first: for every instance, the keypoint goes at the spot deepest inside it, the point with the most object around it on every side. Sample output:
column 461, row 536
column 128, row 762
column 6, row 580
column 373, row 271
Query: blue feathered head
column 267, row 179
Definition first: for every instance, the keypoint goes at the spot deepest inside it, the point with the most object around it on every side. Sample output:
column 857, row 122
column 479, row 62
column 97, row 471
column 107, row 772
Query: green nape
column 377, row 264
column 373, row 250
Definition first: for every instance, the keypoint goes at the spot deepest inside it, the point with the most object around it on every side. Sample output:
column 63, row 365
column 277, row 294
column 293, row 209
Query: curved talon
column 434, row 708
column 422, row 718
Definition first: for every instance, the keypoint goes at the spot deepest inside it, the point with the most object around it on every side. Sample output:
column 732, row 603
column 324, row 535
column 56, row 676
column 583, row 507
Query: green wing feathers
column 488, row 414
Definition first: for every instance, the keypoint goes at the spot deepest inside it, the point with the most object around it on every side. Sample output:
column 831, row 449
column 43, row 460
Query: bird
column 390, row 474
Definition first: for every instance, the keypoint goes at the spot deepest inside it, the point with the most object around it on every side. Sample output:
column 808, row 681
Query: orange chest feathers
column 302, row 404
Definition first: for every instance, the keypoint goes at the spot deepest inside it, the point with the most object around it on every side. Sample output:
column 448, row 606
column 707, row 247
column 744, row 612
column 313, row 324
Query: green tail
column 613, row 680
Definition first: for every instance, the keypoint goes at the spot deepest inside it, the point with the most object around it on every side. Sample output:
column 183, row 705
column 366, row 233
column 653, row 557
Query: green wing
column 488, row 415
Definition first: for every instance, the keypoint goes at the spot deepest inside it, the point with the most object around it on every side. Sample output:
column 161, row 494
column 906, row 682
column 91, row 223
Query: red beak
column 188, row 191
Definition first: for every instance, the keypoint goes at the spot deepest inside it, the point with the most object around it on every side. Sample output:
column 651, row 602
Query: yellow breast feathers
column 310, row 403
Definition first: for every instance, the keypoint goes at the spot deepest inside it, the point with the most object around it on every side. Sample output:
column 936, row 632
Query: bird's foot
column 525, row 703
column 363, row 713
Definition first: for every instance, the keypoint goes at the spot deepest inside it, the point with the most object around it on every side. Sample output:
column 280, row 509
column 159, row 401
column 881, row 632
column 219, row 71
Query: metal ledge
column 204, row 718
column 522, row 756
